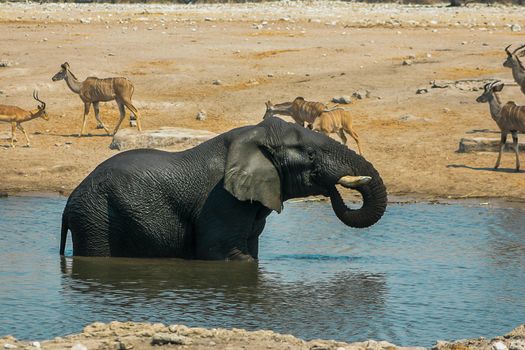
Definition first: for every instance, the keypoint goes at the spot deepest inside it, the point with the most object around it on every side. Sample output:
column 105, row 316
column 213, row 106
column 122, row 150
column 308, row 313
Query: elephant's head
column 275, row 161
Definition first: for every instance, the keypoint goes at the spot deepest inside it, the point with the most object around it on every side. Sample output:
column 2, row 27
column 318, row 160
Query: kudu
column 338, row 121
column 94, row 90
column 16, row 116
column 509, row 117
column 300, row 110
column 317, row 116
column 513, row 62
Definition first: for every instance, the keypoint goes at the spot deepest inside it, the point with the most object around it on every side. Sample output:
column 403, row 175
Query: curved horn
column 491, row 84
column 488, row 86
column 35, row 96
column 507, row 50
column 519, row 48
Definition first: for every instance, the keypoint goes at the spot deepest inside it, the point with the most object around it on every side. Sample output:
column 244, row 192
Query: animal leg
column 13, row 128
column 21, row 128
column 122, row 115
column 135, row 113
column 84, row 122
column 355, row 136
column 501, row 147
column 100, row 124
column 516, row 149
column 342, row 135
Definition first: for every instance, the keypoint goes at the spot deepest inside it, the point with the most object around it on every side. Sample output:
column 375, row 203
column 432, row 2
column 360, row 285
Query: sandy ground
column 263, row 52
column 130, row 335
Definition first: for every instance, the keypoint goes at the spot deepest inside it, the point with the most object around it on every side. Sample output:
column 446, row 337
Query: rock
column 439, row 84
column 36, row 344
column 216, row 82
column 515, row 27
column 483, row 144
column 201, row 115
column 78, row 346
column 9, row 346
column 499, row 346
column 361, row 94
column 412, row 118
column 408, row 117
column 168, row 338
column 446, row 110
column 342, row 99
column 163, row 137
column 5, row 63
column 84, row 21
column 3, row 194
column 517, row 345
column 407, row 62
column 421, row 91
column 123, row 345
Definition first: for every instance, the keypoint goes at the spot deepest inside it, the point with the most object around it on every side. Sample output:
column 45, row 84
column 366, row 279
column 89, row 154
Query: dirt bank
column 260, row 52
column 129, row 335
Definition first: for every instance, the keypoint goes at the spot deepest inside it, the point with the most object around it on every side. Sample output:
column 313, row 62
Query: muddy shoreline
column 404, row 198
column 130, row 335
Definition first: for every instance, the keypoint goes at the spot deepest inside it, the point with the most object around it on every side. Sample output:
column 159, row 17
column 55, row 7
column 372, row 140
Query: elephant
column 210, row 202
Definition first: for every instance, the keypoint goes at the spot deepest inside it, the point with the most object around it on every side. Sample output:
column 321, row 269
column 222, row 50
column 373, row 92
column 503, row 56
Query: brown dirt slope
column 263, row 52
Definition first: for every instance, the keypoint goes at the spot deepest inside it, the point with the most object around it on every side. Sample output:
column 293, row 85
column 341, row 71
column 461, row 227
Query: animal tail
column 63, row 234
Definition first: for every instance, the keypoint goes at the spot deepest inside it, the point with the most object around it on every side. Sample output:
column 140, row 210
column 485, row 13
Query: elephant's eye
column 310, row 152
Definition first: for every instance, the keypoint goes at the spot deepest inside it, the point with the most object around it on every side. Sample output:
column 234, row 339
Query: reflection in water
column 425, row 272
column 220, row 294
column 508, row 244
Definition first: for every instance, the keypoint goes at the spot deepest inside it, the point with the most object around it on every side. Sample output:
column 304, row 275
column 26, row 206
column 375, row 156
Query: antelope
column 513, row 62
column 94, row 90
column 337, row 120
column 509, row 117
column 16, row 116
column 300, row 110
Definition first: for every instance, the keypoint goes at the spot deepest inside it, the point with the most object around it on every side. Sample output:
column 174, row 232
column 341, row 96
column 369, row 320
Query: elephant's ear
column 249, row 173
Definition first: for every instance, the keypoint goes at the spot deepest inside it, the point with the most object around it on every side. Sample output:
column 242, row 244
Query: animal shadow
column 75, row 135
column 499, row 170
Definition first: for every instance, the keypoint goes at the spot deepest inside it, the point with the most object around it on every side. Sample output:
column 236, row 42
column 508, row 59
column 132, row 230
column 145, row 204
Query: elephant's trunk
column 373, row 191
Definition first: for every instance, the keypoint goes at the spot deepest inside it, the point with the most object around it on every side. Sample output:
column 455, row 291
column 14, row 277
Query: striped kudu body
column 94, row 90
column 300, row 110
column 513, row 62
column 337, row 121
column 510, row 117
column 16, row 116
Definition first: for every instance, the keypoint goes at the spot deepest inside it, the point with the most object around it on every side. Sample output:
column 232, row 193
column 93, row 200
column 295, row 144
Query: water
column 425, row 272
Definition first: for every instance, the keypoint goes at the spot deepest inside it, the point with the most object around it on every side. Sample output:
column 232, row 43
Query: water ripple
column 423, row 272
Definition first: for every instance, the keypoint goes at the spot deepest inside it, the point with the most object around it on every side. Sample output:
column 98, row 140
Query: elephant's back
column 125, row 207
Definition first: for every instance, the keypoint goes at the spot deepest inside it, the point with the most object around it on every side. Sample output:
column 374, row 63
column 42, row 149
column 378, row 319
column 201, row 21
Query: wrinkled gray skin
column 211, row 202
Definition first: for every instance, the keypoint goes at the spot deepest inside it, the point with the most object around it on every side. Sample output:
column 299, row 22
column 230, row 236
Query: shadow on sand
column 500, row 170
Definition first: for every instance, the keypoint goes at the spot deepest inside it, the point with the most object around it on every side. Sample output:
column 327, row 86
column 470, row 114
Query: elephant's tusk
column 354, row 181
